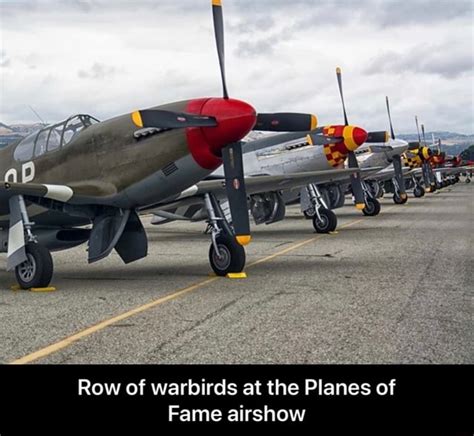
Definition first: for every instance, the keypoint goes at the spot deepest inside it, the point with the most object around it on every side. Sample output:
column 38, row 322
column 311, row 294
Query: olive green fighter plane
column 83, row 180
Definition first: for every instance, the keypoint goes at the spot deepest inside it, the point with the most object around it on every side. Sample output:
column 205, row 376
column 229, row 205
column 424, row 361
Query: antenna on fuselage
column 38, row 115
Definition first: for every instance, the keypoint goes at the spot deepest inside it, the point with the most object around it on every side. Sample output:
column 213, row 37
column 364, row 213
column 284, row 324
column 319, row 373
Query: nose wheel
column 399, row 200
column 37, row 270
column 226, row 256
column 418, row 192
column 324, row 221
column 372, row 207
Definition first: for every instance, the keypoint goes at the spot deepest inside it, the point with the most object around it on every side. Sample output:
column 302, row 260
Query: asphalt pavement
column 396, row 288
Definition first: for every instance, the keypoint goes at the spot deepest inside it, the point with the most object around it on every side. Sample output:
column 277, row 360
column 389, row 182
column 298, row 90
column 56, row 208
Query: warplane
column 388, row 155
column 82, row 180
column 320, row 154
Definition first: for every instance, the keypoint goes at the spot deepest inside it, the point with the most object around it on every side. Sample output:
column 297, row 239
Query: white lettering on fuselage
column 27, row 173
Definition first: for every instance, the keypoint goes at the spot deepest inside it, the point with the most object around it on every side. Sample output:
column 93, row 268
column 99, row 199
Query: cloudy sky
column 110, row 57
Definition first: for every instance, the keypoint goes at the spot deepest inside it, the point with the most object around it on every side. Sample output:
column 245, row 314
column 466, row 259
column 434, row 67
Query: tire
column 309, row 213
column 418, row 192
column 398, row 200
column 232, row 256
column 328, row 222
column 372, row 207
column 37, row 271
column 468, row 180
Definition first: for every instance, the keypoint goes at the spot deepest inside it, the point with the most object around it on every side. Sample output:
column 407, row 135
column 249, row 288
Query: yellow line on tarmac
column 66, row 342
column 43, row 352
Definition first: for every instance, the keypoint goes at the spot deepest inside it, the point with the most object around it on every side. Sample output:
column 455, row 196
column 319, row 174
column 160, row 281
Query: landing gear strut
column 372, row 205
column 32, row 262
column 324, row 219
column 225, row 254
column 397, row 198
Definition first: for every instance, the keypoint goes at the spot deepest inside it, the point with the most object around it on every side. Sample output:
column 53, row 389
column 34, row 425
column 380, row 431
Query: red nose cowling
column 235, row 119
column 359, row 135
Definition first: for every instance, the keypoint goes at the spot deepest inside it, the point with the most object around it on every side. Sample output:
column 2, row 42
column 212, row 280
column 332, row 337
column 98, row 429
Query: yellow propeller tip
column 360, row 206
column 338, row 70
column 243, row 239
column 137, row 119
column 216, row 3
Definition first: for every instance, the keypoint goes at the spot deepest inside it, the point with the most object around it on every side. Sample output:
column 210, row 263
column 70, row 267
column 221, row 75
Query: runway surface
column 396, row 288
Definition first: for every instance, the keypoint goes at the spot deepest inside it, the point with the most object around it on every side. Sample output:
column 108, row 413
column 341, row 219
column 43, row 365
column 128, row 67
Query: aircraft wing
column 54, row 192
column 386, row 174
column 84, row 193
column 452, row 170
column 265, row 183
column 188, row 206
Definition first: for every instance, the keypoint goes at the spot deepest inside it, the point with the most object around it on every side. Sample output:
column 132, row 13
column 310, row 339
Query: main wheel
column 37, row 270
column 418, row 192
column 309, row 213
column 468, row 180
column 399, row 200
column 372, row 207
column 327, row 223
column 231, row 256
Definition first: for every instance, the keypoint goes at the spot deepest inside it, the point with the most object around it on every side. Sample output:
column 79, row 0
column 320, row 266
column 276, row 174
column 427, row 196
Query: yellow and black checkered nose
column 351, row 138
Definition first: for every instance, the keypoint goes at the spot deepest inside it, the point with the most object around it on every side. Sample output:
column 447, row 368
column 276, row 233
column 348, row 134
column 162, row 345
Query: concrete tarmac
column 396, row 288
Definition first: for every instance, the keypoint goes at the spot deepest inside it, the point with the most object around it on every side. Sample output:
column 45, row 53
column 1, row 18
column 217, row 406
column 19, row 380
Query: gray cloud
column 447, row 60
column 249, row 48
column 280, row 56
column 97, row 71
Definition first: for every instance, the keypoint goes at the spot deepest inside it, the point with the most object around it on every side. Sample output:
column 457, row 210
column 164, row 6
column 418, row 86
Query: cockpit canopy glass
column 53, row 137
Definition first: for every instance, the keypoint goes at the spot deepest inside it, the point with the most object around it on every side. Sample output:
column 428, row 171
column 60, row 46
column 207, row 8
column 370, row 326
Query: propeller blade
column 426, row 176
column 339, row 83
column 219, row 33
column 397, row 166
column 356, row 184
column 423, row 132
column 381, row 136
column 236, row 193
column 389, row 117
column 418, row 129
column 286, row 122
column 170, row 120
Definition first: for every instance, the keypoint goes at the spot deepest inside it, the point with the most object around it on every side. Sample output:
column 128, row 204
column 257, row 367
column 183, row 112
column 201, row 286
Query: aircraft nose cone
column 426, row 152
column 359, row 135
column 235, row 119
column 354, row 137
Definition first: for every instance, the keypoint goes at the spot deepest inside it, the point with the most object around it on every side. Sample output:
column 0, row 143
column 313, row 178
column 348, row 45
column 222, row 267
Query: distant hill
column 451, row 142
